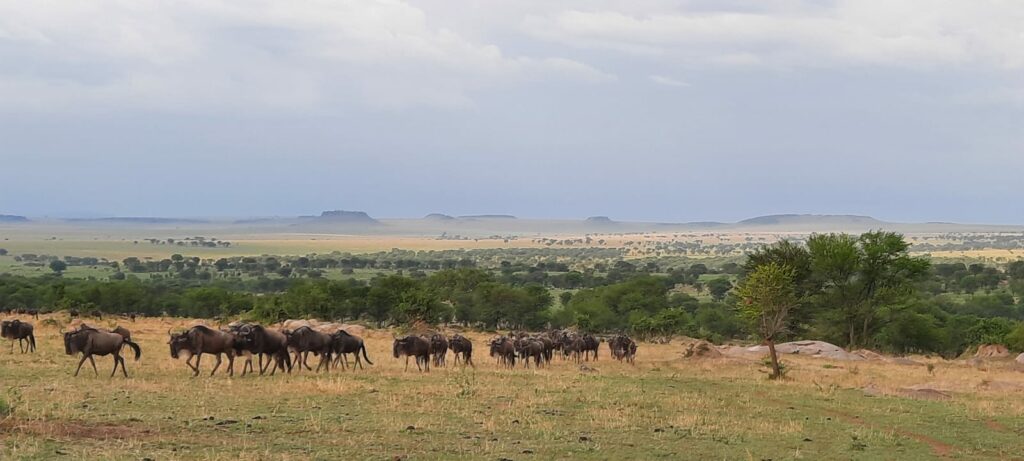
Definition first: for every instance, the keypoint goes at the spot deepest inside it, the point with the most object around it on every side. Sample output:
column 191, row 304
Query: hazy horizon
column 650, row 110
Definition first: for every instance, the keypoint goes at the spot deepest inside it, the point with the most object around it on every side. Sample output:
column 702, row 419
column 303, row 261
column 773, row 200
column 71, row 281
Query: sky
column 642, row 110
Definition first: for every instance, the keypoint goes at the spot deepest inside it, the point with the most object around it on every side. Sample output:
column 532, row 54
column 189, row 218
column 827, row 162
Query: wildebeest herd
column 287, row 347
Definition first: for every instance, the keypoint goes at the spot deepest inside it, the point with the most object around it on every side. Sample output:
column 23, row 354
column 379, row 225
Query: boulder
column 1020, row 359
column 702, row 350
column 992, row 351
column 819, row 349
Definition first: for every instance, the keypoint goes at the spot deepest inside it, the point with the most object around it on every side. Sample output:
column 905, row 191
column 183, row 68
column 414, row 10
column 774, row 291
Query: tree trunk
column 776, row 372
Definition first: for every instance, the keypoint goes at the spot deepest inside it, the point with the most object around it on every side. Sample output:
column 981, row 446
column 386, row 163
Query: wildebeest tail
column 134, row 346
column 32, row 341
column 363, row 348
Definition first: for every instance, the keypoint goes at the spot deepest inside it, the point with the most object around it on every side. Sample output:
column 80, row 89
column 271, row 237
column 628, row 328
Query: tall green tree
column 766, row 297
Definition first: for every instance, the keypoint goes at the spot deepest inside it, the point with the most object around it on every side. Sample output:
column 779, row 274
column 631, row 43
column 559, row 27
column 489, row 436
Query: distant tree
column 58, row 266
column 3, row 252
column 565, row 297
column 719, row 287
column 117, row 276
column 221, row 264
column 766, row 297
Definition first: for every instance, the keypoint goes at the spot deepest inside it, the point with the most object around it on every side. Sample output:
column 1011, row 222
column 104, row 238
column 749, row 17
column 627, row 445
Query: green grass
column 662, row 408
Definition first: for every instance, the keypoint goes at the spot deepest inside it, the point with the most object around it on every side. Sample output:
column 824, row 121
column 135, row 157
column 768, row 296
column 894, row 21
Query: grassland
column 664, row 407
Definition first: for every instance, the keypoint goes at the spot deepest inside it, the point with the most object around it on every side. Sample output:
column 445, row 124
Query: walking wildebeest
column 414, row 346
column 528, row 348
column 200, row 340
column 21, row 331
column 90, row 341
column 439, row 349
column 504, row 350
column 590, row 346
column 572, row 346
column 264, row 341
column 622, row 347
column 462, row 346
column 96, row 313
column 305, row 340
column 342, row 344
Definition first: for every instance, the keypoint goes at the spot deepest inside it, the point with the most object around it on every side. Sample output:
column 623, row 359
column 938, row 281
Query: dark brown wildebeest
column 123, row 332
column 590, row 346
column 96, row 313
column 572, row 347
column 342, row 344
column 73, row 313
column 305, row 340
column 439, row 349
column 413, row 346
column 504, row 350
column 264, row 341
column 200, row 340
column 462, row 346
column 622, row 348
column 20, row 331
column 528, row 348
column 89, row 342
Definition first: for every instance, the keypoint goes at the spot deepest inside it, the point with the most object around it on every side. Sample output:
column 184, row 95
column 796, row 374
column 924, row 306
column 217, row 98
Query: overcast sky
column 635, row 109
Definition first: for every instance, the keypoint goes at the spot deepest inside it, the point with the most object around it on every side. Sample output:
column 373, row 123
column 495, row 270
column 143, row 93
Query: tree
column 3, row 252
column 719, row 287
column 858, row 277
column 766, row 297
column 58, row 266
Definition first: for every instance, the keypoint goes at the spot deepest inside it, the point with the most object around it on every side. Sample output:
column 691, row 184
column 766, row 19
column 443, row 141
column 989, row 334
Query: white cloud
column 668, row 81
column 905, row 33
column 211, row 55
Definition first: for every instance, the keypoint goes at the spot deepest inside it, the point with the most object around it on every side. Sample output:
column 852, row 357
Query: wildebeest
column 200, row 340
column 305, row 340
column 528, row 348
column 462, row 346
column 414, row 346
column 20, row 331
column 343, row 343
column 590, row 346
column 504, row 350
column 73, row 313
column 572, row 347
column 439, row 349
column 622, row 348
column 89, row 342
column 264, row 341
column 96, row 313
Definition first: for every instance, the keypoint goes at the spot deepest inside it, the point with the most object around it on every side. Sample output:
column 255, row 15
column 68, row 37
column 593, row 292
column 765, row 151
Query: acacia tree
column 766, row 297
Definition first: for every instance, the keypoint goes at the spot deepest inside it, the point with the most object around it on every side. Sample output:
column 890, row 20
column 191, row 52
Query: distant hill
column 814, row 219
column 489, row 216
column 343, row 217
column 438, row 217
column 599, row 220
column 12, row 218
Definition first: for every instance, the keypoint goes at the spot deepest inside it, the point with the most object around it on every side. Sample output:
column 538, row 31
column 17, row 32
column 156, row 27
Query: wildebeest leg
column 188, row 362
column 407, row 363
column 80, row 362
column 123, row 369
column 231, row 363
column 115, row 365
column 305, row 357
column 199, row 358
column 93, row 362
column 216, row 365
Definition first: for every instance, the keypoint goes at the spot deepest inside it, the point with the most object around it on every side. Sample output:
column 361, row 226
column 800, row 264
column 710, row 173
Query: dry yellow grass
column 663, row 407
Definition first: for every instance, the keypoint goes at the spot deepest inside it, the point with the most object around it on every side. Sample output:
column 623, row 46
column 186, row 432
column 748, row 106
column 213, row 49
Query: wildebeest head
column 178, row 342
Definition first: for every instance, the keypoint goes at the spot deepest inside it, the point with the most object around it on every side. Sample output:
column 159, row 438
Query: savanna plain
column 665, row 406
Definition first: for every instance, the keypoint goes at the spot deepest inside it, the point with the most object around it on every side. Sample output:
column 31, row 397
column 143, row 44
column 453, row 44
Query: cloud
column 898, row 33
column 668, row 81
column 227, row 55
